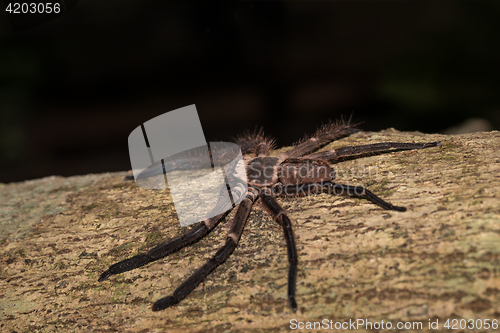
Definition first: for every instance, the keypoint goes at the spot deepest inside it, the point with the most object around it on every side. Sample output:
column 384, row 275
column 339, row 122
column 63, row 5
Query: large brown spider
column 296, row 172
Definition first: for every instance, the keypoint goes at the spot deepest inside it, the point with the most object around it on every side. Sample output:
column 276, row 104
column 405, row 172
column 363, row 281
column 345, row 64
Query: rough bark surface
column 438, row 261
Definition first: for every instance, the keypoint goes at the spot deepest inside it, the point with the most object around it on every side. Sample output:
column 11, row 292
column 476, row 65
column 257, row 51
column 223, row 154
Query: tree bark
column 437, row 261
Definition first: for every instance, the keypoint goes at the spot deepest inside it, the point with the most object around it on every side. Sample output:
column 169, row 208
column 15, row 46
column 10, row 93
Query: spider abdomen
column 303, row 171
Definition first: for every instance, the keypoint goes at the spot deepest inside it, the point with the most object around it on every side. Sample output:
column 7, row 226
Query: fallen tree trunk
column 438, row 261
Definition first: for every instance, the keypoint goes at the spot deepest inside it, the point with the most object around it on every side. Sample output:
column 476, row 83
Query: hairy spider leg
column 256, row 143
column 323, row 136
column 361, row 193
column 165, row 248
column 279, row 215
column 220, row 257
column 353, row 152
column 337, row 189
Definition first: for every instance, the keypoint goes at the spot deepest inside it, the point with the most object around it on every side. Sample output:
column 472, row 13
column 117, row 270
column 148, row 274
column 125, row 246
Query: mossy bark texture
column 439, row 260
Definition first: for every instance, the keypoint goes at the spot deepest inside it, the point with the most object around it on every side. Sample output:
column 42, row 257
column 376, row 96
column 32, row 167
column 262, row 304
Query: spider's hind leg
column 353, row 152
column 324, row 135
column 359, row 192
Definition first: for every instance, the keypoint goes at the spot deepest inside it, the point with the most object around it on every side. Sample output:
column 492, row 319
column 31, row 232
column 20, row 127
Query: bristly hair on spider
column 301, row 170
column 255, row 142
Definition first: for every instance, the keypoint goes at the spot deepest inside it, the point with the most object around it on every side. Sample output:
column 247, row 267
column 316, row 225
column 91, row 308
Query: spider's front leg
column 220, row 257
column 279, row 215
column 164, row 249
column 172, row 245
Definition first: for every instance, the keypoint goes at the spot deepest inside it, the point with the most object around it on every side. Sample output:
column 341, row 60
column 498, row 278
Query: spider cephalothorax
column 297, row 172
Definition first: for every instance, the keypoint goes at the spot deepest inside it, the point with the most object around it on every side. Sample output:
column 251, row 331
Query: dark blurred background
column 72, row 89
